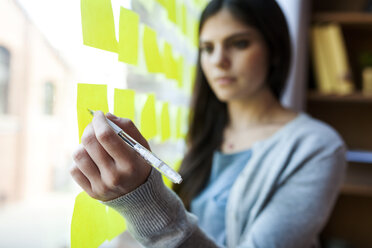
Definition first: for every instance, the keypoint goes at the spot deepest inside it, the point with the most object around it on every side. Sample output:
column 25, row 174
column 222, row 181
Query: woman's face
column 234, row 57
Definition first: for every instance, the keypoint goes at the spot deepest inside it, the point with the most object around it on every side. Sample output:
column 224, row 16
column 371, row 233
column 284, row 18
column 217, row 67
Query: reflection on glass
column 4, row 79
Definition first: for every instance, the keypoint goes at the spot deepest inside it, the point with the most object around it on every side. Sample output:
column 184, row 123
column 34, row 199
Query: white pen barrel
column 114, row 126
column 147, row 155
column 158, row 164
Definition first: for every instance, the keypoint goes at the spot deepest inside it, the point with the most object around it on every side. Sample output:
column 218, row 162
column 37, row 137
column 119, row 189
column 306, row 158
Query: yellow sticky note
column 162, row 2
column 153, row 59
column 184, row 19
column 174, row 69
column 93, row 223
column 180, row 71
column 165, row 122
column 195, row 33
column 167, row 181
column 189, row 78
column 124, row 103
column 148, row 125
column 185, row 123
column 175, row 165
column 98, row 25
column 171, row 7
column 90, row 96
column 87, row 222
column 193, row 77
column 200, row 4
column 179, row 14
column 179, row 123
column 168, row 59
column 128, row 36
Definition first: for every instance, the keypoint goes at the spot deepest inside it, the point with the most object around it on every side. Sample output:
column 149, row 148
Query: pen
column 148, row 156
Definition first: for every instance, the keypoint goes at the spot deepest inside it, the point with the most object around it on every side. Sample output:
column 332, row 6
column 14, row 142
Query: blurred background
column 42, row 59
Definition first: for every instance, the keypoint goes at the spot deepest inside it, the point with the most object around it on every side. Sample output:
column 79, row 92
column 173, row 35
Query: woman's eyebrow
column 238, row 35
column 229, row 38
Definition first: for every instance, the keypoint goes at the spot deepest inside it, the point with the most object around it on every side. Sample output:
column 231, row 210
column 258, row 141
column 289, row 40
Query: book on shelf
column 367, row 81
column 322, row 77
column 331, row 64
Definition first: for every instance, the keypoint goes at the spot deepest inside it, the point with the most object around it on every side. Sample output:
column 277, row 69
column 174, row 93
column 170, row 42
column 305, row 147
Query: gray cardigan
column 282, row 198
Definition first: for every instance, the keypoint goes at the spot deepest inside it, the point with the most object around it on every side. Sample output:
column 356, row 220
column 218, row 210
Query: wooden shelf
column 359, row 190
column 350, row 116
column 346, row 18
column 354, row 97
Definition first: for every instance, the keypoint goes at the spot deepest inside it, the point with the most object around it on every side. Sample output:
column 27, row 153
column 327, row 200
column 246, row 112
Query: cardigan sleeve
column 156, row 217
column 300, row 206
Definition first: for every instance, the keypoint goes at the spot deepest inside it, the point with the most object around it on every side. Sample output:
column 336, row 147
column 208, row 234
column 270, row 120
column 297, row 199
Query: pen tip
column 91, row 111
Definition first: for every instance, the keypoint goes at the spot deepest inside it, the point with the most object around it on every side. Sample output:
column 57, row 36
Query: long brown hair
column 209, row 115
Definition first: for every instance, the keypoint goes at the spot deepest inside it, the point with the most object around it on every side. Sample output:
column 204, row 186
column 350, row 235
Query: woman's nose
column 221, row 58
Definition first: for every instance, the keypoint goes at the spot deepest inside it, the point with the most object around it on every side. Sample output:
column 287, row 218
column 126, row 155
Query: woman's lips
column 225, row 80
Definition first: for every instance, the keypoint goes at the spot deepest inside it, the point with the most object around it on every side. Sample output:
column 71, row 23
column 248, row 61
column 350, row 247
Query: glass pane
column 48, row 98
column 4, row 79
column 4, row 56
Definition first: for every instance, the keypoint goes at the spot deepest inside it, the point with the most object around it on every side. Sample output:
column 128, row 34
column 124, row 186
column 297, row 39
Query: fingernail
column 111, row 115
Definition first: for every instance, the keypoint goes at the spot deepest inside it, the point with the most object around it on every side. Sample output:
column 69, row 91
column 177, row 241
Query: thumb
column 128, row 126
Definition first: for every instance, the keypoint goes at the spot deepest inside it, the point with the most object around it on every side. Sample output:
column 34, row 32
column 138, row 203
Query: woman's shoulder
column 307, row 139
column 308, row 129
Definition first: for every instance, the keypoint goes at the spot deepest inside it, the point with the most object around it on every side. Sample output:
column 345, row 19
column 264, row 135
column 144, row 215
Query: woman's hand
column 105, row 166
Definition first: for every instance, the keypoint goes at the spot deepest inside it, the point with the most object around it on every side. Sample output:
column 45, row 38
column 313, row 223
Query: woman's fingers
column 128, row 126
column 106, row 167
column 85, row 164
column 87, row 175
column 131, row 168
column 95, row 150
column 82, row 180
column 120, row 152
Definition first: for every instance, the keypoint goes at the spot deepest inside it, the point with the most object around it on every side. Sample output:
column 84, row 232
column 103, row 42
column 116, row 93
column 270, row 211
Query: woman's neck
column 261, row 109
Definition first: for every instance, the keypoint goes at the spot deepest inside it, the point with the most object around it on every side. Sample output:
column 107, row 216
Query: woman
column 255, row 174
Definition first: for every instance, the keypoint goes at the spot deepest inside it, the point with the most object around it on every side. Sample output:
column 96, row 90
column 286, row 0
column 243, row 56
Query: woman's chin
column 225, row 97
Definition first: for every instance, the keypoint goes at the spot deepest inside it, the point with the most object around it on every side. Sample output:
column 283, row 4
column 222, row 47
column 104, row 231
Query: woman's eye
column 207, row 49
column 241, row 44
